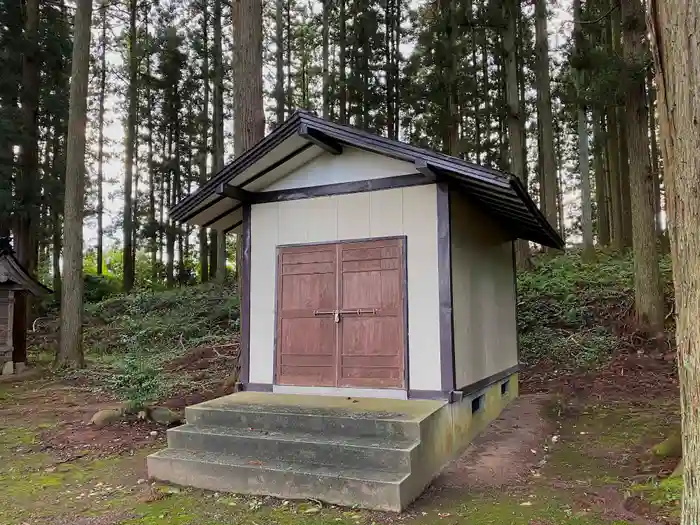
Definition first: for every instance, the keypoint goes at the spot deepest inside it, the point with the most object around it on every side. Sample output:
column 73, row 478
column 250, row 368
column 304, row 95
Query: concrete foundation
column 373, row 453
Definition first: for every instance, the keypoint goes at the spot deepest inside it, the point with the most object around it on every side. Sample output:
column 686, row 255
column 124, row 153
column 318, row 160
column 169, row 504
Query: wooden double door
column 341, row 314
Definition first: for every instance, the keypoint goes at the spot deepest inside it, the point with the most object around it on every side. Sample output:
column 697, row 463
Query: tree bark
column 673, row 28
column 601, row 185
column 70, row 353
column 625, row 197
column 649, row 298
column 515, row 118
column 582, row 118
column 100, row 136
column 249, row 117
column 544, row 112
column 203, row 147
column 655, row 171
column 623, row 153
column 326, row 73
column 130, row 148
column 343, row 96
column 279, row 59
column 27, row 218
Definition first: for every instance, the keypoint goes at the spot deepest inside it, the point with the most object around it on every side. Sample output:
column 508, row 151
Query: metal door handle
column 334, row 313
column 359, row 311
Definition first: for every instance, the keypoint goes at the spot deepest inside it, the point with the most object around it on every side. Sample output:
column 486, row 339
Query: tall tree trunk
column 203, row 151
column 389, row 67
column 613, row 158
column 154, row 226
column 101, row 136
column 586, row 204
column 601, row 185
column 130, row 148
column 649, row 298
column 673, row 27
column 249, row 116
column 655, row 171
column 70, row 353
column 279, row 58
column 624, row 158
column 544, row 112
column 216, row 270
column 343, row 96
column 515, row 121
column 450, row 139
column 326, row 72
column 27, row 220
column 623, row 155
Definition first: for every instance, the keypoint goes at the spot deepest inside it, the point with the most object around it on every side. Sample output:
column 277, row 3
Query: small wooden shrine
column 15, row 285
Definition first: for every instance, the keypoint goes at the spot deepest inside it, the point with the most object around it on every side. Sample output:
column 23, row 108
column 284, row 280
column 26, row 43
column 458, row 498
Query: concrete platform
column 374, row 453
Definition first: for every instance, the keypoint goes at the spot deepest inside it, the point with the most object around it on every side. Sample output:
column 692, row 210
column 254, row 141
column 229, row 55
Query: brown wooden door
column 371, row 350
column 306, row 336
column 340, row 310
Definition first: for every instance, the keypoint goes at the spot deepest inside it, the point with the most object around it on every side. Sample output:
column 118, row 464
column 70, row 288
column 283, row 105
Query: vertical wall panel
column 484, row 307
column 263, row 249
column 385, row 213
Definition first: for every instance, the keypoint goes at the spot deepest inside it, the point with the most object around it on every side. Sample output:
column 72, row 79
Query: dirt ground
column 570, row 450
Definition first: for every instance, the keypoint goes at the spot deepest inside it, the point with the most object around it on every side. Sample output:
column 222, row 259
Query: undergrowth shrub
column 136, row 381
column 567, row 307
column 169, row 321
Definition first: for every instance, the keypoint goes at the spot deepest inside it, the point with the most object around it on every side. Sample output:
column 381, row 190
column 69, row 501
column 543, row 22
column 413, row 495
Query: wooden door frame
column 404, row 284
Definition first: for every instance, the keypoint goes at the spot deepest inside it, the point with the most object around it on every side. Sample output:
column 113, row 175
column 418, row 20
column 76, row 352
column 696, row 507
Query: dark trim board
column 342, row 188
column 428, row 394
column 472, row 389
column 245, row 297
column 257, row 387
column 447, row 352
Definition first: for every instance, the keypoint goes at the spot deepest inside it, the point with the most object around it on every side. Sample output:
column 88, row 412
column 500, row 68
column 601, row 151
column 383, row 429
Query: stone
column 106, row 417
column 8, row 368
column 20, row 367
column 164, row 416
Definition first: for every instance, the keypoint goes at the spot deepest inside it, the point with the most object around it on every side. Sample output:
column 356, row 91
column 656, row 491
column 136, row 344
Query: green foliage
column 163, row 321
column 136, row 381
column 566, row 307
column 100, row 287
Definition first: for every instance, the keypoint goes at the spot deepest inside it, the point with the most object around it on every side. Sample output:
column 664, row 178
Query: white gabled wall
column 352, row 165
column 410, row 211
column 483, row 291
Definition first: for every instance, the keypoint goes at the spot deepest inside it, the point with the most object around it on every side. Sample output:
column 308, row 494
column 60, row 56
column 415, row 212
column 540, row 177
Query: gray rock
column 8, row 368
column 106, row 417
column 20, row 367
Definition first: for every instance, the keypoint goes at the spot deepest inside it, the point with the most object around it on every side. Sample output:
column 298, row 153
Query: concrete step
column 310, row 420
column 230, row 473
column 378, row 453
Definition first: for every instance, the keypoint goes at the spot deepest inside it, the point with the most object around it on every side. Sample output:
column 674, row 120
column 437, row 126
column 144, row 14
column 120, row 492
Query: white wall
column 352, row 165
column 484, row 307
column 408, row 211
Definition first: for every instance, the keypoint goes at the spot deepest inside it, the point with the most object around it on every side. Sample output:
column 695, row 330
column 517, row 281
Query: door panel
column 306, row 338
column 372, row 345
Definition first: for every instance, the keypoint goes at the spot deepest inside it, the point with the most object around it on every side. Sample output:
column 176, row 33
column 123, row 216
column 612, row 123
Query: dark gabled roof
column 14, row 276
column 500, row 195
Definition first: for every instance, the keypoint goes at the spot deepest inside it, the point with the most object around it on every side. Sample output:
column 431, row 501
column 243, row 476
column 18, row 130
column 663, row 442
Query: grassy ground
column 611, row 395
column 592, row 469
